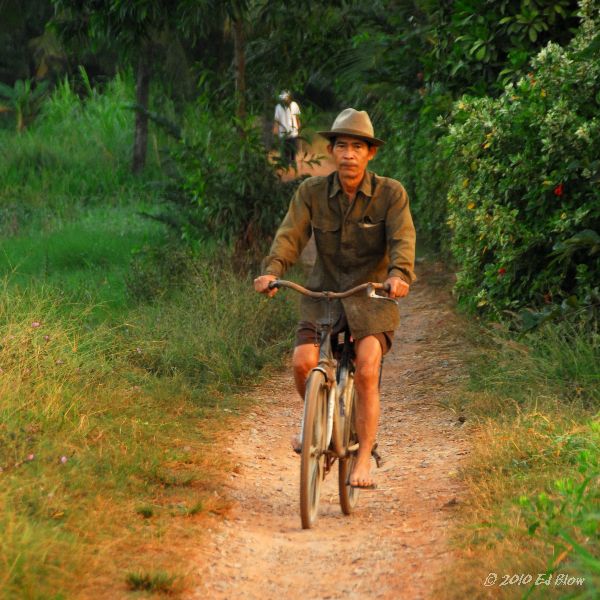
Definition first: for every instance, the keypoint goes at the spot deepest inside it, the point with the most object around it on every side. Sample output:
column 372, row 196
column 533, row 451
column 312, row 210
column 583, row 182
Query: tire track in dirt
column 395, row 546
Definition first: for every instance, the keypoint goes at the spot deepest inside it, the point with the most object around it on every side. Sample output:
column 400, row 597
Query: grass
column 102, row 421
column 533, row 493
column 87, row 259
column 122, row 358
column 75, row 156
column 152, row 582
column 71, row 133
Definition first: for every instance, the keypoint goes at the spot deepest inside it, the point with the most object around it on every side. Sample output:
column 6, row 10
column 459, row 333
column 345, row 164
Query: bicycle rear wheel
column 348, row 494
column 314, row 431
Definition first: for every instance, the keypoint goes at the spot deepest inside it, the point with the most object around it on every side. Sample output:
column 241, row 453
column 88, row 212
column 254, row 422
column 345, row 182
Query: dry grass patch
column 533, row 477
column 108, row 438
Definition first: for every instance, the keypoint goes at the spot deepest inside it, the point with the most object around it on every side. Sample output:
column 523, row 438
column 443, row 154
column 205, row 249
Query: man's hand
column 398, row 287
column 261, row 285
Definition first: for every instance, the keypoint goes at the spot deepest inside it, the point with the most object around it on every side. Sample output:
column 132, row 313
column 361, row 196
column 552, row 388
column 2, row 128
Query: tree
column 234, row 15
column 24, row 53
column 136, row 29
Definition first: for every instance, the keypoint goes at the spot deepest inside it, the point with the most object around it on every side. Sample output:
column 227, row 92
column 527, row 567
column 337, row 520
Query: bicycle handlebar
column 370, row 287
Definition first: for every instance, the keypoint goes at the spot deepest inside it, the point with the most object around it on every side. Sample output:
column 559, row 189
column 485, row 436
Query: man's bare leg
column 366, row 380
column 305, row 358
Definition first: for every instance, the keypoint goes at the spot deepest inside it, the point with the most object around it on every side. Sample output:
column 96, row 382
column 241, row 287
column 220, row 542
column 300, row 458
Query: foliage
column 411, row 154
column 525, row 175
column 22, row 99
column 90, row 372
column 566, row 516
column 84, row 406
column 532, row 475
column 159, row 582
column 407, row 64
column 285, row 50
column 114, row 376
column 558, row 359
column 43, row 178
column 227, row 185
column 25, row 50
column 108, row 22
column 214, row 330
column 155, row 271
column 466, row 45
column 473, row 47
column 89, row 256
column 135, row 30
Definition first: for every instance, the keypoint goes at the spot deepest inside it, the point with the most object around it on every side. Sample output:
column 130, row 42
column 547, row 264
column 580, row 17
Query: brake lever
column 371, row 293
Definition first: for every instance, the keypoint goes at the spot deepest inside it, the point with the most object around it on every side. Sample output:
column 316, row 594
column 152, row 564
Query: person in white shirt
column 287, row 125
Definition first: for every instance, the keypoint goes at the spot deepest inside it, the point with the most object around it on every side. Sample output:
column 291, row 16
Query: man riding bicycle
column 363, row 232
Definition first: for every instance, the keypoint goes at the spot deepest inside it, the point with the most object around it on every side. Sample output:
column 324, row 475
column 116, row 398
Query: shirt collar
column 366, row 185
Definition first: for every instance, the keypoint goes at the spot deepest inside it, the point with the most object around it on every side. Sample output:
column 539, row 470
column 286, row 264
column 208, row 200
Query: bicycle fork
column 331, row 399
column 328, row 370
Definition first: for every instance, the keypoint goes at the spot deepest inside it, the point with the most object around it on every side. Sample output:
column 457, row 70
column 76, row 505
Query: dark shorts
column 307, row 333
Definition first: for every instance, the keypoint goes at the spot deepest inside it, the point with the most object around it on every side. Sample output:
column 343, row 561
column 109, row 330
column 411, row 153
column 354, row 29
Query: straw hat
column 354, row 123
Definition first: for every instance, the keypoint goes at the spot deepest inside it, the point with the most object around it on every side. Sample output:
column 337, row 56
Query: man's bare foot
column 361, row 474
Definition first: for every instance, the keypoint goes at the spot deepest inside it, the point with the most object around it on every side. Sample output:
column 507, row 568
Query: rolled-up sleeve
column 401, row 237
column 291, row 237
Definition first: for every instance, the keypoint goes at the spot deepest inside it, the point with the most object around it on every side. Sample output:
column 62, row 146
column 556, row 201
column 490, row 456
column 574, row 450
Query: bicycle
column 328, row 422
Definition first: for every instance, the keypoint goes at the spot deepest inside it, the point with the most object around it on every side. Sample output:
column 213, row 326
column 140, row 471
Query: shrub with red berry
column 524, row 201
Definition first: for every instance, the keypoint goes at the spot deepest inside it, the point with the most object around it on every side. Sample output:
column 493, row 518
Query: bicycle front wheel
column 348, row 494
column 314, row 432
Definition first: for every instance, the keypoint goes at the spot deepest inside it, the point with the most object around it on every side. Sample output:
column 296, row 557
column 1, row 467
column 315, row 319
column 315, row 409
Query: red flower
column 559, row 189
column 501, row 271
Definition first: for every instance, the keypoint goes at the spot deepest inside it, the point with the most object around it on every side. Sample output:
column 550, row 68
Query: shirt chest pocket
column 327, row 231
column 370, row 237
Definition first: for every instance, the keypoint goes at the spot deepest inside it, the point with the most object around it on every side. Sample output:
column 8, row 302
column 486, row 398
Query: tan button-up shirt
column 368, row 239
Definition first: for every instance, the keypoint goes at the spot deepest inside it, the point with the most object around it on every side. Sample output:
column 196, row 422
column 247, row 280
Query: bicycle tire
column 312, row 461
column 348, row 494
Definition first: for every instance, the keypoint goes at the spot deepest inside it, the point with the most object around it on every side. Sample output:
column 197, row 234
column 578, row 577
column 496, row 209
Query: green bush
column 524, row 201
column 412, row 155
column 565, row 516
column 477, row 46
column 226, row 185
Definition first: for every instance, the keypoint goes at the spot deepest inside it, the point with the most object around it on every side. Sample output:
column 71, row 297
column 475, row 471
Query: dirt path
column 395, row 546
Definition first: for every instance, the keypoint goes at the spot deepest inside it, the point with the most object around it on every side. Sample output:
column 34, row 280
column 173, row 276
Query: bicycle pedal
column 376, row 456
